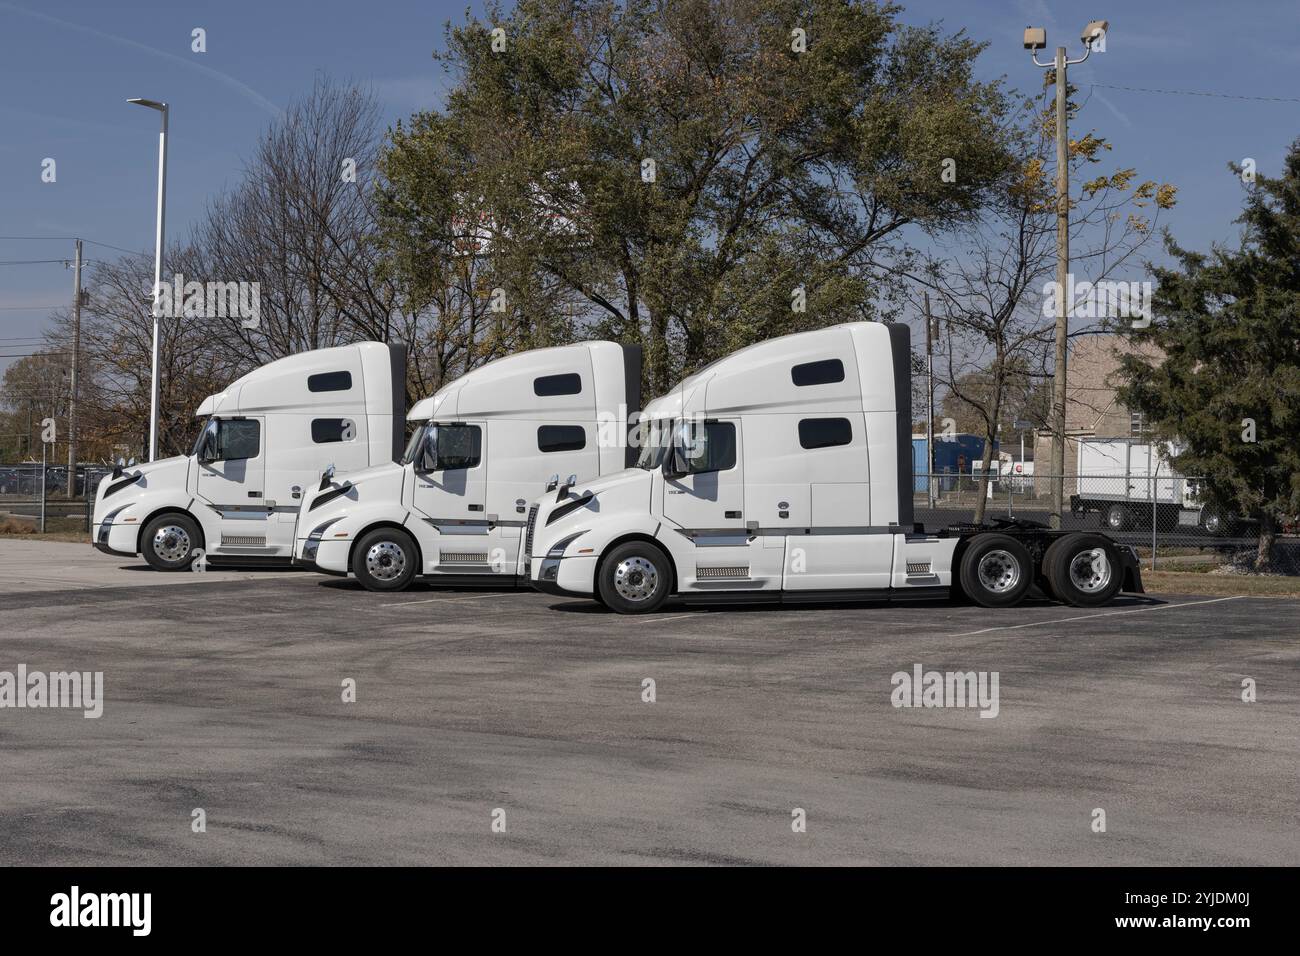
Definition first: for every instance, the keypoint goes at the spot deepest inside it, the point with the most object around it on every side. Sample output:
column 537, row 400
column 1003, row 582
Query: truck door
column 232, row 475
column 450, row 492
column 708, row 503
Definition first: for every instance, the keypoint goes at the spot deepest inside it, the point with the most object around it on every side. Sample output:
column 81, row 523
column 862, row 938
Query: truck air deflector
column 900, row 343
column 397, row 380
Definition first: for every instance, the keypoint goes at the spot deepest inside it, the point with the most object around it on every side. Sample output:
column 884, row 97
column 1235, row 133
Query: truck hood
column 156, row 473
column 623, row 491
column 381, row 482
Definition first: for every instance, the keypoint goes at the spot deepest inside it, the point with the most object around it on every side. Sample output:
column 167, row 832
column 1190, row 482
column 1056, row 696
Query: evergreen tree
column 1228, row 385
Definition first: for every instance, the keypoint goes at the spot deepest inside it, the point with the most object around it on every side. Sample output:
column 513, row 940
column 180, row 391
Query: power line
column 1228, row 96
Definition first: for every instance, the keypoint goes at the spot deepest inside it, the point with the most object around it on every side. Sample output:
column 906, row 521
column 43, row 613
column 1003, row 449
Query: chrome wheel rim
column 1090, row 570
column 385, row 561
column 171, row 543
column 636, row 579
column 999, row 571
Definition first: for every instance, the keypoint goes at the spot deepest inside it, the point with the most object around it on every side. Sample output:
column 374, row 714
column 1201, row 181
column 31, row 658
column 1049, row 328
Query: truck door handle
column 733, row 514
column 475, row 507
column 254, row 494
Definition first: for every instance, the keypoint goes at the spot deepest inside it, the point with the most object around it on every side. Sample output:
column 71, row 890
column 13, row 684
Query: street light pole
column 1036, row 39
column 76, row 355
column 157, row 268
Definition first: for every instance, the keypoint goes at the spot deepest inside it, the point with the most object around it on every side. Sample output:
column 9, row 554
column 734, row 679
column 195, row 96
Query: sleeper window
column 825, row 432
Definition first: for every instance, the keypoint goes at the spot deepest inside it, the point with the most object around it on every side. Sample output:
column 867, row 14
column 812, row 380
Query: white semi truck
column 782, row 472
column 452, row 510
column 265, row 439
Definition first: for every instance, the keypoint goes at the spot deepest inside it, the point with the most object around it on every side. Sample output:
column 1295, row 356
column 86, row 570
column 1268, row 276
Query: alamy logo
column 1099, row 300
column 213, row 300
column 946, row 689
column 74, row 689
column 103, row 909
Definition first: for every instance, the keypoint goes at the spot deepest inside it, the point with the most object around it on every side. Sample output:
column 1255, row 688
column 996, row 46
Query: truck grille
column 528, row 531
column 243, row 541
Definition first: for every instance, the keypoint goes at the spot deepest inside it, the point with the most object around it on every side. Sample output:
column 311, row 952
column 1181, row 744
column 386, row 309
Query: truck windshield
column 653, row 438
column 414, row 445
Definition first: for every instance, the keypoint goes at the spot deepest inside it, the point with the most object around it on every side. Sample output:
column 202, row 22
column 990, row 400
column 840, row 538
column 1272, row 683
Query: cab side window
column 711, row 447
column 238, row 438
column 459, row 446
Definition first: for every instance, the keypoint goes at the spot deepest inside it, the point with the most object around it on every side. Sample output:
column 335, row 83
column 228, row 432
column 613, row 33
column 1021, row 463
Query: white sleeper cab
column 453, row 509
column 783, row 472
column 266, row 438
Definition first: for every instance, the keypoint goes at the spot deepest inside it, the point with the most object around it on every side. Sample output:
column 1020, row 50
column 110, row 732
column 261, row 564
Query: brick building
column 1091, row 408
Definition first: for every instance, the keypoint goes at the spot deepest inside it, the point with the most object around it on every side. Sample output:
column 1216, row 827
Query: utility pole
column 929, row 414
column 1036, row 39
column 1062, row 284
column 76, row 356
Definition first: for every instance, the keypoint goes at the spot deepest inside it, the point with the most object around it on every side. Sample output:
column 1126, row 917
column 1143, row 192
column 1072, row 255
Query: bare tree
column 992, row 282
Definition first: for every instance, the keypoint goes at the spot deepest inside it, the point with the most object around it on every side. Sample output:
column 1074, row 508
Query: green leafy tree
column 690, row 174
column 1228, row 387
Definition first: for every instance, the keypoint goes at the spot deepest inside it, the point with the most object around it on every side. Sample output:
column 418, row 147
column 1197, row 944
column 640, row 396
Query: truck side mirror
column 675, row 465
column 326, row 476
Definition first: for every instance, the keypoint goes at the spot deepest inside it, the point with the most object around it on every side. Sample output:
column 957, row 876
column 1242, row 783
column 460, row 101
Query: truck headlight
column 557, row 550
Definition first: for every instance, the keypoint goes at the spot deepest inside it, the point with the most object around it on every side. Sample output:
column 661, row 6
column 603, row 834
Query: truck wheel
column 1119, row 518
column 996, row 570
column 386, row 559
column 1215, row 523
column 1084, row 569
column 169, row 542
column 635, row 578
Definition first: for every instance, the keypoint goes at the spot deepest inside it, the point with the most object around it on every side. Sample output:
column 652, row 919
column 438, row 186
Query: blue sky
column 67, row 68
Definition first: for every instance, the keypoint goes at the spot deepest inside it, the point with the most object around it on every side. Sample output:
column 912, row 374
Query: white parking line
column 1089, row 617
column 446, row 600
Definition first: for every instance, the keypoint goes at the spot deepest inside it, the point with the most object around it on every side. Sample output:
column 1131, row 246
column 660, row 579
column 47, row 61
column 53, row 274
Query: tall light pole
column 157, row 268
column 76, row 355
column 1036, row 39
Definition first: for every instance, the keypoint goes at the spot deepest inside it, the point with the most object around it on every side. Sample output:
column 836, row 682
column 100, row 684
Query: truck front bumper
column 566, row 577
column 116, row 539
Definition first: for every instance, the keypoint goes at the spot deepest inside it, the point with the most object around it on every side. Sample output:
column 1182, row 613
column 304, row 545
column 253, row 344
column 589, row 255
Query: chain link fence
column 1162, row 516
column 34, row 497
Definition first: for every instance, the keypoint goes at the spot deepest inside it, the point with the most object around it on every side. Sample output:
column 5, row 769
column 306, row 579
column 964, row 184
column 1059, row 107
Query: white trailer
column 265, row 439
column 453, row 508
column 1129, row 482
column 782, row 472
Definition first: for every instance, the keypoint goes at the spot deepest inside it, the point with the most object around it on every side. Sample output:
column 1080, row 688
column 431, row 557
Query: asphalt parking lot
column 223, row 691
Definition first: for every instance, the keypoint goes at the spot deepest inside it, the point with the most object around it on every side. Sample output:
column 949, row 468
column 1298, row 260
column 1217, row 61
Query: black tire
column 635, row 578
column 386, row 559
column 996, row 570
column 1053, row 549
column 1118, row 518
column 1078, row 579
column 1216, row 523
column 169, row 542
